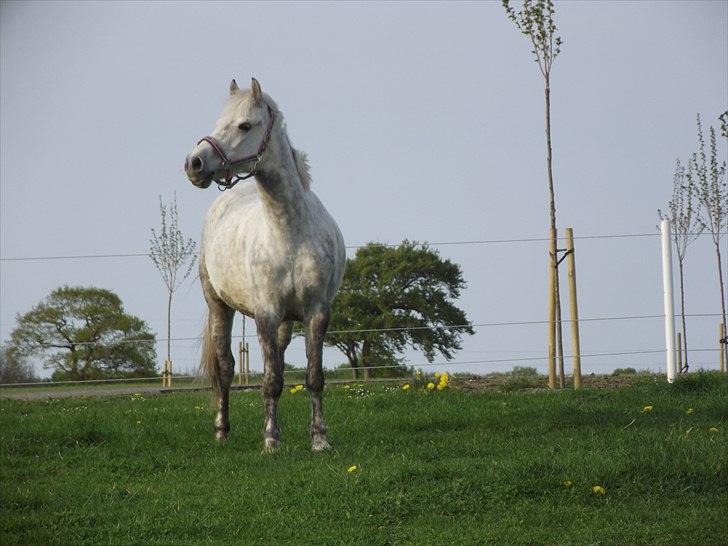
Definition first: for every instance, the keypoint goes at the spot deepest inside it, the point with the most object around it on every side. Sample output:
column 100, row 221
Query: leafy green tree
column 14, row 368
column 407, row 290
column 84, row 333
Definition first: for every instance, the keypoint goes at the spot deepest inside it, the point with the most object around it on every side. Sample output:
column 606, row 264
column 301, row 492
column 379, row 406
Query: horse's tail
column 209, row 364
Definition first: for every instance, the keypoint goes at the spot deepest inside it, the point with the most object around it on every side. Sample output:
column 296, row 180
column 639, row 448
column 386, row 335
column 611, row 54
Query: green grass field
column 451, row 467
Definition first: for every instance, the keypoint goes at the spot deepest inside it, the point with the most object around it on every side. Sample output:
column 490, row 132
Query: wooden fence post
column 241, row 362
column 552, row 310
column 247, row 362
column 167, row 374
column 573, row 307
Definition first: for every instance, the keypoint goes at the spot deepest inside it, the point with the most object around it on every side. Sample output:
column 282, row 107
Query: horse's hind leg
column 218, row 338
column 316, row 327
column 285, row 332
column 268, row 335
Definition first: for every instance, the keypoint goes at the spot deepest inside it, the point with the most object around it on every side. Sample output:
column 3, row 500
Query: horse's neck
column 280, row 187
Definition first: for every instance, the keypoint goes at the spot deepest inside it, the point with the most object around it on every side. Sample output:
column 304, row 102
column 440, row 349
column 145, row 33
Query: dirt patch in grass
column 509, row 382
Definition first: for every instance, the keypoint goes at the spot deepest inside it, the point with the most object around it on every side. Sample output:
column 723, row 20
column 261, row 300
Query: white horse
column 269, row 250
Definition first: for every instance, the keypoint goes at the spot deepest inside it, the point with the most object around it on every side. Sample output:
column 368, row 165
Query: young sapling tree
column 173, row 255
column 682, row 213
column 708, row 175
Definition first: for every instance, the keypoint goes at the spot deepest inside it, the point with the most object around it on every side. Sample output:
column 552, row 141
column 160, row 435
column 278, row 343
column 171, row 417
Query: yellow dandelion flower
column 712, row 429
column 353, row 468
column 647, row 409
column 406, row 387
column 437, row 375
column 567, row 483
column 299, row 387
column 444, row 376
column 293, row 390
column 347, row 387
column 441, row 386
column 690, row 411
column 430, row 386
column 598, row 490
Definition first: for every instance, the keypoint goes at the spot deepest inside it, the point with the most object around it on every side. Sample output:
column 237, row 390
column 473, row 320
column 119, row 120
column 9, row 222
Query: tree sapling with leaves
column 535, row 20
column 708, row 175
column 682, row 213
column 171, row 253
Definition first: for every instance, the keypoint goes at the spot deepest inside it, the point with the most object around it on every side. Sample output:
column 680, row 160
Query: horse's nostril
column 196, row 164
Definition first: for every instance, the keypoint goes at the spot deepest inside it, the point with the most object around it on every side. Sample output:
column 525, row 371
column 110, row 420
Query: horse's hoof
column 221, row 436
column 270, row 445
column 320, row 444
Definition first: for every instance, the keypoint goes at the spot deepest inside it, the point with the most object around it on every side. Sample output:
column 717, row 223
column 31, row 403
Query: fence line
column 351, row 247
column 406, row 328
column 349, row 369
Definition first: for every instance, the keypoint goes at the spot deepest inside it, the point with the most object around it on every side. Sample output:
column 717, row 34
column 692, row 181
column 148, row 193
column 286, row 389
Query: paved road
column 54, row 392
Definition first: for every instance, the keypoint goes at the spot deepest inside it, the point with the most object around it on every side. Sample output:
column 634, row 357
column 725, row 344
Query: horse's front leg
column 217, row 357
column 316, row 327
column 272, row 379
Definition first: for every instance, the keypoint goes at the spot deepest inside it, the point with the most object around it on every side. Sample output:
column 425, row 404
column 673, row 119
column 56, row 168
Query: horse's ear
column 234, row 87
column 257, row 93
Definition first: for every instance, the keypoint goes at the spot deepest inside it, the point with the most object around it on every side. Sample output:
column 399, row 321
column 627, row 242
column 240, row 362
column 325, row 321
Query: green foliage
column 723, row 118
column 624, row 371
column 535, row 20
column 446, row 467
column 524, row 370
column 408, row 289
column 14, row 368
column 708, row 174
column 168, row 248
column 84, row 333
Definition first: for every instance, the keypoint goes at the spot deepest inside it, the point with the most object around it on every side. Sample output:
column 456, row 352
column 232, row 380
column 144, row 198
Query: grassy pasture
column 458, row 467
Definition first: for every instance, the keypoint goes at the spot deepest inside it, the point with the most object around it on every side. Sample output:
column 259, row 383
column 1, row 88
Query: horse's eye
column 245, row 126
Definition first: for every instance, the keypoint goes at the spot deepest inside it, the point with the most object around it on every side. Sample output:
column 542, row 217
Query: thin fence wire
column 353, row 247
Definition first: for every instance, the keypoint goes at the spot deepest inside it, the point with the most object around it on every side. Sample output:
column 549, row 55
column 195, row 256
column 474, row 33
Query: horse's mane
column 300, row 158
column 302, row 166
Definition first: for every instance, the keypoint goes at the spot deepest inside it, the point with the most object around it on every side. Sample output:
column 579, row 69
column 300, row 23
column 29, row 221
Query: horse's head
column 238, row 141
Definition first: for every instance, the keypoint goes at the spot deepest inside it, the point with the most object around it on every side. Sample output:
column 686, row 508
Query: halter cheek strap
column 228, row 165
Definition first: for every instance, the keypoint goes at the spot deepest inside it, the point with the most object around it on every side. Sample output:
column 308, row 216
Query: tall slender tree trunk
column 722, row 295
column 353, row 360
column 682, row 313
column 365, row 354
column 552, row 214
column 169, row 326
column 559, row 338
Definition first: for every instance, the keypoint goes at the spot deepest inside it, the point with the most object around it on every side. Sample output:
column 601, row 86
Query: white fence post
column 668, row 300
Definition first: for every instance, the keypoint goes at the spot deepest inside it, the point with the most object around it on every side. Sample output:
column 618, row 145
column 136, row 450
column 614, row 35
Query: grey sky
column 422, row 121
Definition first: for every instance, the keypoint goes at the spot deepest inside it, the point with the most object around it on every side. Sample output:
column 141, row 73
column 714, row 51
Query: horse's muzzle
column 196, row 172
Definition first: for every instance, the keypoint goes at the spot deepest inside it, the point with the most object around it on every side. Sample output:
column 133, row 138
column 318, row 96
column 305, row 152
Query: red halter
column 227, row 165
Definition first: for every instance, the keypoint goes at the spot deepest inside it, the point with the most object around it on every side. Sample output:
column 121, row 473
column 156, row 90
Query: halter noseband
column 227, row 165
